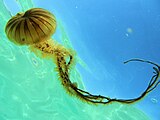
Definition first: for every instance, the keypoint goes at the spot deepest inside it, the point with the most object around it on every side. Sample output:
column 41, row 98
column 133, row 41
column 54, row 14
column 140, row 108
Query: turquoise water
column 30, row 89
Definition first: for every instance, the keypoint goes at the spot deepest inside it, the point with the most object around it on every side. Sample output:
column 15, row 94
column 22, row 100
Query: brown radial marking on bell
column 45, row 21
column 42, row 26
column 22, row 33
column 35, row 26
column 33, row 32
column 17, row 33
column 39, row 30
column 27, row 33
column 28, row 28
column 10, row 30
column 12, row 33
column 51, row 18
column 13, row 20
column 10, row 27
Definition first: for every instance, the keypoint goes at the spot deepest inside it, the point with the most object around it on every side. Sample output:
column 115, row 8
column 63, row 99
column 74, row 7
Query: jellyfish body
column 35, row 28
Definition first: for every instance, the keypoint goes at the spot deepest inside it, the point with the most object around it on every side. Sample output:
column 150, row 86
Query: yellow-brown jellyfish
column 35, row 28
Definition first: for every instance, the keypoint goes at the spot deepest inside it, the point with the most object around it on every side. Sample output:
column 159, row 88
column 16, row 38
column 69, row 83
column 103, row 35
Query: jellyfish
column 35, row 27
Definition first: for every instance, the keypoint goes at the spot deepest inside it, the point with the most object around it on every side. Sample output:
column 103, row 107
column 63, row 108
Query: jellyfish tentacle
column 156, row 71
column 140, row 60
column 86, row 96
column 97, row 99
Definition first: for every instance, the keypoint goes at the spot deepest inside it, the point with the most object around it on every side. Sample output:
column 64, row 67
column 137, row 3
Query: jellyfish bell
column 33, row 26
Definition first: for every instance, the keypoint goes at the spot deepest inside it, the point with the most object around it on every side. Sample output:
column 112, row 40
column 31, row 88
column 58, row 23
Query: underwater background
column 104, row 34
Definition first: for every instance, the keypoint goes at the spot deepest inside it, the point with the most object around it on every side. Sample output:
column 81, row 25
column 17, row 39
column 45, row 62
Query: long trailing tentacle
column 59, row 54
column 98, row 99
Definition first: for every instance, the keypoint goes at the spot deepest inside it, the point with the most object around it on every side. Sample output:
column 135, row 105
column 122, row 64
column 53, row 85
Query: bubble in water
column 129, row 30
column 34, row 61
column 153, row 100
